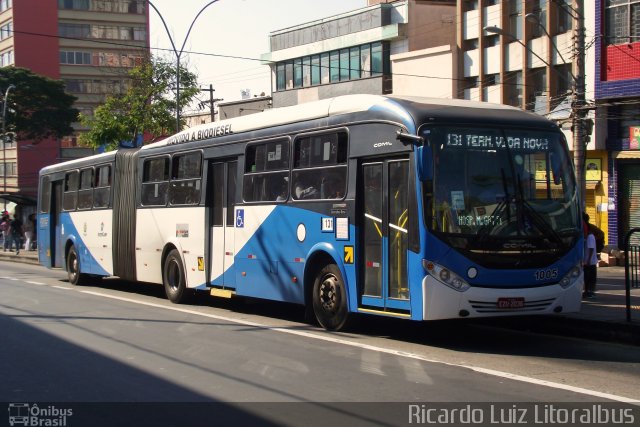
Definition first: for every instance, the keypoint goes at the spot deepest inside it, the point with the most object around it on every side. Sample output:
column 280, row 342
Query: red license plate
column 511, row 302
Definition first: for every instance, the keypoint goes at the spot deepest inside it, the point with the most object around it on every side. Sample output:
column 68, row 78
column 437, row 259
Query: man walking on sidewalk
column 590, row 261
column 15, row 233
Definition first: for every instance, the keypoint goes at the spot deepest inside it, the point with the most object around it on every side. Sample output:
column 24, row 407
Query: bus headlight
column 571, row 277
column 445, row 276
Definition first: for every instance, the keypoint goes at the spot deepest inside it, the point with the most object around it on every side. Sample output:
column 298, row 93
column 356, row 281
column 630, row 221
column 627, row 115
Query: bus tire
column 73, row 268
column 330, row 299
column 173, row 278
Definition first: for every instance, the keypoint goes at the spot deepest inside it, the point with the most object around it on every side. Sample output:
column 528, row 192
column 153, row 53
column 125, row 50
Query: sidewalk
column 602, row 318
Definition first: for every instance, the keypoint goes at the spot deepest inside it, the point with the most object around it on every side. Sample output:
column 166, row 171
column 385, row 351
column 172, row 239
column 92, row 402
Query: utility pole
column 211, row 101
column 578, row 104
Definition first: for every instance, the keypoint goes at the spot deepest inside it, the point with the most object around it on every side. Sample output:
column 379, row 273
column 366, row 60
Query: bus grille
column 529, row 306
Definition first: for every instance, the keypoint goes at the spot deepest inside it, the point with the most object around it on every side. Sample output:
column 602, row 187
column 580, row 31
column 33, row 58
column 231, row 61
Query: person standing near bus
column 15, row 233
column 29, row 228
column 590, row 261
column 4, row 228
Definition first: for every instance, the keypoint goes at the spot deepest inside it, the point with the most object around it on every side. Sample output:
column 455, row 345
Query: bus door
column 221, row 203
column 384, row 238
column 55, row 226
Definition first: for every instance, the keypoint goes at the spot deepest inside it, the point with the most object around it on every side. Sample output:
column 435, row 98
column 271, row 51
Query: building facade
column 351, row 52
column 617, row 84
column 523, row 53
column 89, row 44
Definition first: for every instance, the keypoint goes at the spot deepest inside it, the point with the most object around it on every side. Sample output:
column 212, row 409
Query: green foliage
column 148, row 107
column 38, row 107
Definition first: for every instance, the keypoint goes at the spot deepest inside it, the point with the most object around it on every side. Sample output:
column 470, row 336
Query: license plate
column 511, row 302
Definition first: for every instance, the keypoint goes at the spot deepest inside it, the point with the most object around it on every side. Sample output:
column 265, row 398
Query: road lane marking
column 384, row 350
column 62, row 287
column 36, row 283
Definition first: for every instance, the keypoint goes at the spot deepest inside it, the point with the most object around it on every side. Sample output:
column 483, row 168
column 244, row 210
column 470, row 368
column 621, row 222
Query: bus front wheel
column 173, row 277
column 73, row 267
column 330, row 299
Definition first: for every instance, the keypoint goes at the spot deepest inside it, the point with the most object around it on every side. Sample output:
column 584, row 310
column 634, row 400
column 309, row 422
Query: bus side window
column 45, row 195
column 320, row 170
column 186, row 175
column 70, row 196
column 102, row 187
column 266, row 177
column 85, row 194
column 155, row 181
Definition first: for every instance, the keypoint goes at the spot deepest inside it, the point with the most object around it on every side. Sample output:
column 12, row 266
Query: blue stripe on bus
column 88, row 263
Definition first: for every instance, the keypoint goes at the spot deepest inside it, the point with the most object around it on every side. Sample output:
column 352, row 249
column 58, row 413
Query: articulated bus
column 406, row 207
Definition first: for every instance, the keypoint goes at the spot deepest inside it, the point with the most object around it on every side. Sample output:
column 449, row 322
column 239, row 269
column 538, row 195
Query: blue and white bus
column 413, row 208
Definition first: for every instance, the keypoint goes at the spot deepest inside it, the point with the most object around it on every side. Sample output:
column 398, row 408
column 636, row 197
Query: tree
column 38, row 107
column 147, row 107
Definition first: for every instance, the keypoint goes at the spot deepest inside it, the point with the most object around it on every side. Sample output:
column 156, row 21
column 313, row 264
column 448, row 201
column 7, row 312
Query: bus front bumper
column 442, row 302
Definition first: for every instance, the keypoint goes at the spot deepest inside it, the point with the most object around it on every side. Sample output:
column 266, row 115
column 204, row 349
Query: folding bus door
column 221, row 204
column 384, row 238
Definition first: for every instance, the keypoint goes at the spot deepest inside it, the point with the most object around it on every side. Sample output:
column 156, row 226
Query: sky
column 237, row 28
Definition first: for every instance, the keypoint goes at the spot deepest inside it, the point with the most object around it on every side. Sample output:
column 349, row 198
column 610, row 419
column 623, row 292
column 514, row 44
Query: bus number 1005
column 551, row 273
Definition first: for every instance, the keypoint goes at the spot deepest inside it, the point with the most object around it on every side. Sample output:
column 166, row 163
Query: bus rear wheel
column 73, row 268
column 173, row 278
column 330, row 299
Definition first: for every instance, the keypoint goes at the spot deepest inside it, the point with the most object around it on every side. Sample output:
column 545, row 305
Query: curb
column 11, row 257
column 597, row 330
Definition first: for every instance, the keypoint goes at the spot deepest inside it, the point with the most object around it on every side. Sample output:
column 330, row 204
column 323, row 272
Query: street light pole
column 579, row 100
column 179, row 52
column 4, row 140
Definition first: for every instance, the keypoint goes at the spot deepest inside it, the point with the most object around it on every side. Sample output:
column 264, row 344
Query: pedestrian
column 29, row 228
column 590, row 261
column 4, row 228
column 15, row 233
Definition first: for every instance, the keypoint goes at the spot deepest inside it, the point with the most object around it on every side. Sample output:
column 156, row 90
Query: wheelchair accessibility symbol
column 240, row 218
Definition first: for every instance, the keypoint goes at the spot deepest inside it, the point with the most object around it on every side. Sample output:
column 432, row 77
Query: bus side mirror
column 425, row 163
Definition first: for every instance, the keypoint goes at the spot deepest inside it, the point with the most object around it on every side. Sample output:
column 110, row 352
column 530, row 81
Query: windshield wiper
column 538, row 221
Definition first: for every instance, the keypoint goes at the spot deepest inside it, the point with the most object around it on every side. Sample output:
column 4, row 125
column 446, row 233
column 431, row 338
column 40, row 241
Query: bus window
column 155, row 181
column 320, row 170
column 85, row 194
column 102, row 187
column 266, row 176
column 70, row 196
column 186, row 174
column 45, row 195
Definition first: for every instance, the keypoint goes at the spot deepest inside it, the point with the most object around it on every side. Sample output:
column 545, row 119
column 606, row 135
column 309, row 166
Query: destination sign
column 496, row 142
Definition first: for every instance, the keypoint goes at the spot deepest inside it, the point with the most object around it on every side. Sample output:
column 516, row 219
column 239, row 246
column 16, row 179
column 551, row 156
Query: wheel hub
column 329, row 293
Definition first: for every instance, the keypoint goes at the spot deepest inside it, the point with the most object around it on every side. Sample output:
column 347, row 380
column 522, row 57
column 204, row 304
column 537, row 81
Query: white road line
column 9, row 278
column 398, row 353
column 35, row 283
column 62, row 287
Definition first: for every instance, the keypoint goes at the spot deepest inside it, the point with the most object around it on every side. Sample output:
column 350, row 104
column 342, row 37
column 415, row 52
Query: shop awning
column 19, row 199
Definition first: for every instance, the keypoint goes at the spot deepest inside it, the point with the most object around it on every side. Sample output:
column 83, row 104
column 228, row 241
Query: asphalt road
column 123, row 342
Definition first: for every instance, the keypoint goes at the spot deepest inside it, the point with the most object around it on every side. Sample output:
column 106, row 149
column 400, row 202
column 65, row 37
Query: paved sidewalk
column 601, row 318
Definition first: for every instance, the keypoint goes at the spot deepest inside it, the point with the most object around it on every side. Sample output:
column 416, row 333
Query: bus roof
column 392, row 108
column 404, row 110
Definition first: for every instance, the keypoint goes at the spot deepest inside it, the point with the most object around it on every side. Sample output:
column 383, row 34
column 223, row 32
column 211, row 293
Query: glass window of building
column 344, row 64
column 297, row 73
column 288, row 71
column 280, row 77
column 376, row 59
column 335, row 66
column 324, row 68
column 306, row 71
column 622, row 21
column 354, row 63
column 365, row 61
column 315, row 70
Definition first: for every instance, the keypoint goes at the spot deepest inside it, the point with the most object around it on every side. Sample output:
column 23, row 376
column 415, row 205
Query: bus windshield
column 497, row 194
